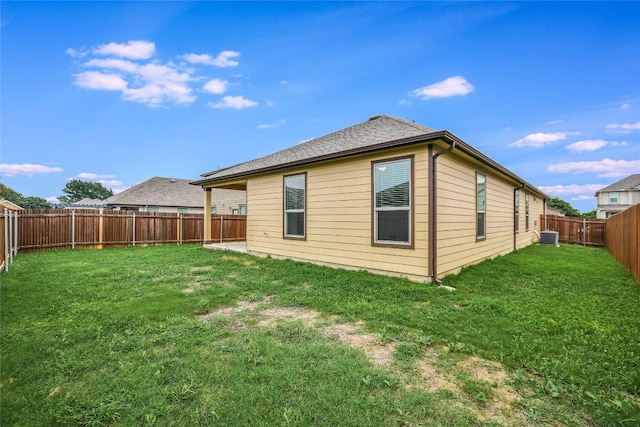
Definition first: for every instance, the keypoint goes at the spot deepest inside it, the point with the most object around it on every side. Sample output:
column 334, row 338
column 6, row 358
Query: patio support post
column 207, row 216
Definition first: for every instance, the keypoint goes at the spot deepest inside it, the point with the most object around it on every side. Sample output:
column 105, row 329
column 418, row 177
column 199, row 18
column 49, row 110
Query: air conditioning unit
column 549, row 238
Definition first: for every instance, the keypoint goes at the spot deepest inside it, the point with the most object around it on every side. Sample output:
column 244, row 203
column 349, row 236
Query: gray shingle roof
column 377, row 130
column 632, row 182
column 159, row 191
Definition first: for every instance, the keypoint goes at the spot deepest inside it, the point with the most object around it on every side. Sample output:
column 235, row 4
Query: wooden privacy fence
column 62, row 228
column 623, row 239
column 589, row 232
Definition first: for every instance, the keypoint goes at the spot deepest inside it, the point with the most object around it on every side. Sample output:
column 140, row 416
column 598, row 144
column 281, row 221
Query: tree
column 589, row 214
column 558, row 203
column 30, row 202
column 34, row 202
column 77, row 190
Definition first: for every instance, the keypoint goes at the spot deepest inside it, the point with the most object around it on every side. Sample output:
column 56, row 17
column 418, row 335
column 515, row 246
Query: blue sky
column 119, row 92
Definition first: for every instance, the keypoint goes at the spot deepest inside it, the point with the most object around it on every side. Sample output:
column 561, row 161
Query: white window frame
column 614, row 200
column 483, row 210
column 286, row 211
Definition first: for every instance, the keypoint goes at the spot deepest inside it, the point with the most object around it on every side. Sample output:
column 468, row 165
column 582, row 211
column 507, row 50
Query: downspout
column 515, row 242
column 433, row 207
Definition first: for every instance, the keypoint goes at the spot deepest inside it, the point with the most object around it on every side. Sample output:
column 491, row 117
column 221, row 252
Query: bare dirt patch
column 432, row 372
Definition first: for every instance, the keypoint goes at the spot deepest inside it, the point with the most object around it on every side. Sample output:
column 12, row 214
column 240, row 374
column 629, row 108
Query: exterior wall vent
column 549, row 238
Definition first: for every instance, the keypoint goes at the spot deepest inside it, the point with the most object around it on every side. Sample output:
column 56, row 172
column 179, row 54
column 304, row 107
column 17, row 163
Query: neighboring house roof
column 377, row 133
column 10, row 205
column 630, row 183
column 554, row 211
column 159, row 191
column 86, row 202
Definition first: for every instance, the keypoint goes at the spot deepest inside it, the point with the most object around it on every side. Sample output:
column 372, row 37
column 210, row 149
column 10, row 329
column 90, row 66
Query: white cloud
column 53, row 200
column 583, row 197
column 154, row 83
column 163, row 83
column 92, row 176
column 554, row 122
column 26, row 169
column 605, row 168
column 273, row 125
column 100, row 81
column 222, row 60
column 564, row 190
column 235, row 102
column 130, row 71
column 112, row 63
column 625, row 106
column 453, row 86
column 624, row 127
column 404, row 102
column 216, row 86
column 593, row 145
column 76, row 53
column 134, row 49
column 112, row 184
column 540, row 139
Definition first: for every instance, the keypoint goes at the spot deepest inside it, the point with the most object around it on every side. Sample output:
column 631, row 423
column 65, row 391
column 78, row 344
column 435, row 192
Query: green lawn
column 181, row 335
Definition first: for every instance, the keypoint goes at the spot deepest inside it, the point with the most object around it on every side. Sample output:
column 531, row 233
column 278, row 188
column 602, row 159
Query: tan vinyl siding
column 536, row 208
column 457, row 244
column 338, row 216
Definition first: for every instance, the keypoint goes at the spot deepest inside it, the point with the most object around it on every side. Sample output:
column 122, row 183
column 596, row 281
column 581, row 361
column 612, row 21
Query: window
column 294, row 205
column 613, row 197
column 526, row 212
column 392, row 207
column 183, row 210
column 213, row 209
column 243, row 209
column 153, row 209
column 481, row 209
column 516, row 210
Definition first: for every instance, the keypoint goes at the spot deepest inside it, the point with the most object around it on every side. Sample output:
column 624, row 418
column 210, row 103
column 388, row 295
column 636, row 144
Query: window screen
column 392, row 194
column 294, row 205
column 481, row 201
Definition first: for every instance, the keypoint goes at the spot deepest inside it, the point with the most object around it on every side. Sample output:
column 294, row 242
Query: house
column 87, row 203
column 385, row 195
column 10, row 206
column 160, row 194
column 618, row 196
column 554, row 211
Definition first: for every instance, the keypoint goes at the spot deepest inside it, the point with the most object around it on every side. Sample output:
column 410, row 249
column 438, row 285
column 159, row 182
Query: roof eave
column 360, row 150
column 444, row 135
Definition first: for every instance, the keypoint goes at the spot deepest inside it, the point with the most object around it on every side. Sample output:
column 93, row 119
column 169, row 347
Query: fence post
column 133, row 237
column 100, row 227
column 6, row 240
column 584, row 232
column 221, row 221
column 11, row 242
column 180, row 227
column 15, row 232
column 73, row 229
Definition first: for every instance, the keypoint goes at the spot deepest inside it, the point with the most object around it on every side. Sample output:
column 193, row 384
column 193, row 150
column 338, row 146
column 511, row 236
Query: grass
column 146, row 336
